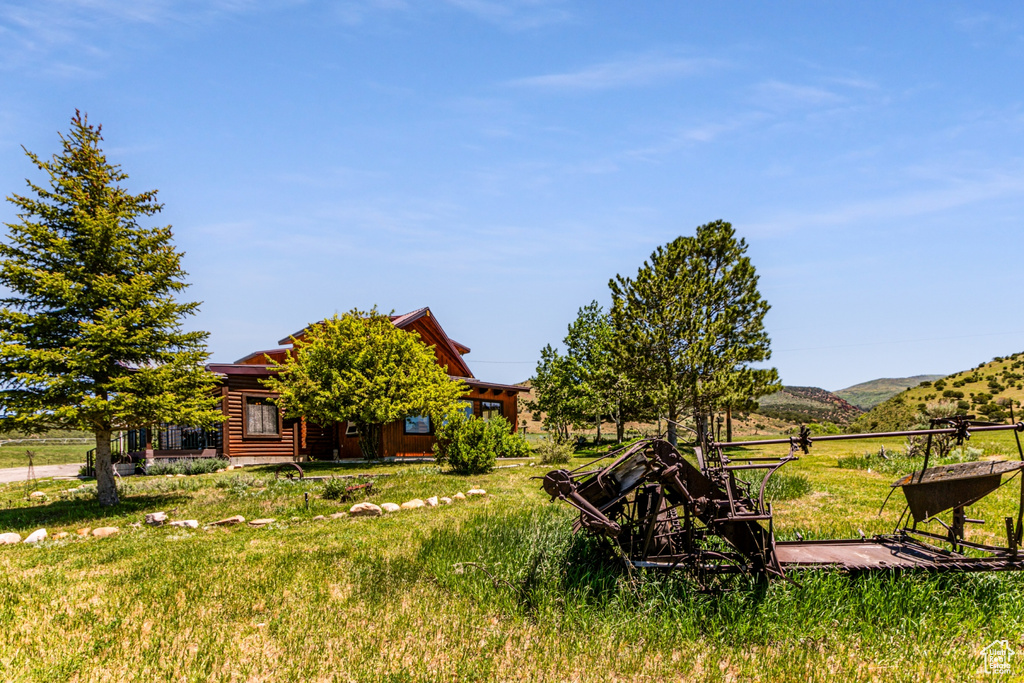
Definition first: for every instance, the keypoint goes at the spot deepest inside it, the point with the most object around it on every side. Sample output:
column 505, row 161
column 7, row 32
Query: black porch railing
column 162, row 438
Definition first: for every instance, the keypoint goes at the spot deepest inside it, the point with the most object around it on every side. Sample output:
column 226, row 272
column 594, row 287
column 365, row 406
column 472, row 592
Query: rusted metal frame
column 994, row 549
column 1020, row 507
column 638, row 446
column 1018, row 426
column 653, row 512
column 787, row 458
column 927, row 455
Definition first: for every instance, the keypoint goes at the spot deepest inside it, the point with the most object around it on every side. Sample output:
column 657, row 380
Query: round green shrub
column 470, row 445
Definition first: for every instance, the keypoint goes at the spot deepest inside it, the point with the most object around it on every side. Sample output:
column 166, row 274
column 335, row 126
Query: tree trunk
column 106, row 487
column 702, row 427
column 728, row 424
column 370, row 440
column 598, row 440
column 620, row 427
column 672, row 418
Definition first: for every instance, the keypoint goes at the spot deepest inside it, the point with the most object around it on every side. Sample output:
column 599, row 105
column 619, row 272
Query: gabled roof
column 402, row 322
column 260, row 354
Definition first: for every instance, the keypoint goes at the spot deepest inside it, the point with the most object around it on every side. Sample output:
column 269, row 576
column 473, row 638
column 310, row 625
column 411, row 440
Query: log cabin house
column 256, row 433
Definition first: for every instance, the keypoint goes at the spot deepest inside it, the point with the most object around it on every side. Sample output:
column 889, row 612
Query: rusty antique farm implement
column 666, row 511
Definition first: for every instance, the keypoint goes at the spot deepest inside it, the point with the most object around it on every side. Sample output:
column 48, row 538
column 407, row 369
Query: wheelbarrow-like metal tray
column 937, row 489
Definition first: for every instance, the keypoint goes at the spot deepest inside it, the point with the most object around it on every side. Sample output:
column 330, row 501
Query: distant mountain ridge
column 867, row 395
column 808, row 404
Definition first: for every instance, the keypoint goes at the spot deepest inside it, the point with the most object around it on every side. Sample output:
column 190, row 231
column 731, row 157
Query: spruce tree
column 91, row 327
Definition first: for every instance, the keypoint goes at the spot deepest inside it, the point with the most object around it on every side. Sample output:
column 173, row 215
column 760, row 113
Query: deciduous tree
column 359, row 367
column 91, row 325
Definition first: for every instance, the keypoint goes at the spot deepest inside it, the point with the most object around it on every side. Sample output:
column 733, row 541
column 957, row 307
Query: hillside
column 867, row 395
column 985, row 391
column 807, row 404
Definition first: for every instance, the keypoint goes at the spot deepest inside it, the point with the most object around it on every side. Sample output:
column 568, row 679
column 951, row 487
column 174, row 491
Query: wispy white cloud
column 944, row 195
column 63, row 38
column 779, row 95
column 697, row 134
column 515, row 15
column 631, row 72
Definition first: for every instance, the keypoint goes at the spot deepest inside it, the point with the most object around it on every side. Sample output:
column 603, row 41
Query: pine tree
column 91, row 328
column 691, row 322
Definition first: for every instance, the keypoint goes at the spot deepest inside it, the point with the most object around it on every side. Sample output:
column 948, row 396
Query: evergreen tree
column 361, row 368
column 91, row 328
column 603, row 386
column 691, row 322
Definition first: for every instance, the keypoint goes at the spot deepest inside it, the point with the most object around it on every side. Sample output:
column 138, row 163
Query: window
column 351, row 430
column 417, row 424
column 467, row 406
column 489, row 409
column 262, row 419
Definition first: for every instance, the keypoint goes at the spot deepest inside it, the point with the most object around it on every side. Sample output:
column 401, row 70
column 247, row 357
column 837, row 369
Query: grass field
column 13, row 455
column 491, row 589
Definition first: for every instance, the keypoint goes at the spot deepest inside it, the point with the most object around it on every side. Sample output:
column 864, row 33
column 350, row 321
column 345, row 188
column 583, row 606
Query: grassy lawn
column 13, row 455
column 488, row 589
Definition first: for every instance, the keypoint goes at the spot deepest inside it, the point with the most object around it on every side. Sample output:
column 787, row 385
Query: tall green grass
column 495, row 588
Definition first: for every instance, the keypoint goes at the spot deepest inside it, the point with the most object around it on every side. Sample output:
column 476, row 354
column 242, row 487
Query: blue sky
column 500, row 161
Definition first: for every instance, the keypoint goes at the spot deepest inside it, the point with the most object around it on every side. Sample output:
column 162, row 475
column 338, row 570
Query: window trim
column 351, row 431
column 245, row 417
column 405, row 428
column 501, row 408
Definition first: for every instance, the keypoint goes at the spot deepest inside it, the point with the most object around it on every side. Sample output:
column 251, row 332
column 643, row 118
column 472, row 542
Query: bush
column 554, row 452
column 334, row 489
column 897, row 463
column 470, row 445
column 823, row 428
column 188, row 466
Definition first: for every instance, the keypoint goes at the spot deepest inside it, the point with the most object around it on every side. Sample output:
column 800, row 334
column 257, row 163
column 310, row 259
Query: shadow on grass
column 85, row 512
column 321, row 467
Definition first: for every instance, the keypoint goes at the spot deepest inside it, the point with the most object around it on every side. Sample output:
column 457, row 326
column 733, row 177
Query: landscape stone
column 237, row 519
column 318, row 518
column 10, row 538
column 35, row 536
column 261, row 522
column 413, row 504
column 186, row 523
column 61, row 535
column 365, row 510
column 84, row 531
column 156, row 518
column 339, row 515
column 459, row 496
column 105, row 531
column 477, row 492
column 432, row 501
column 37, row 495
column 390, row 507
column 220, row 470
column 446, row 500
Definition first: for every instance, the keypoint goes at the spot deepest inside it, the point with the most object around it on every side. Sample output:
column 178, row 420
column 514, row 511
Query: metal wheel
column 290, row 471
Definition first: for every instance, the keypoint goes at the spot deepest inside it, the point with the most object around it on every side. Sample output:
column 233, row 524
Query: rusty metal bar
column 1019, row 426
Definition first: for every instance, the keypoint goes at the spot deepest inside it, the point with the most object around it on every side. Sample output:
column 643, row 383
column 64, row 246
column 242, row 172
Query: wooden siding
column 432, row 336
column 281, row 446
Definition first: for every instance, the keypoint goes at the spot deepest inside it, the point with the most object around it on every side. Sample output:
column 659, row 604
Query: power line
column 899, row 341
